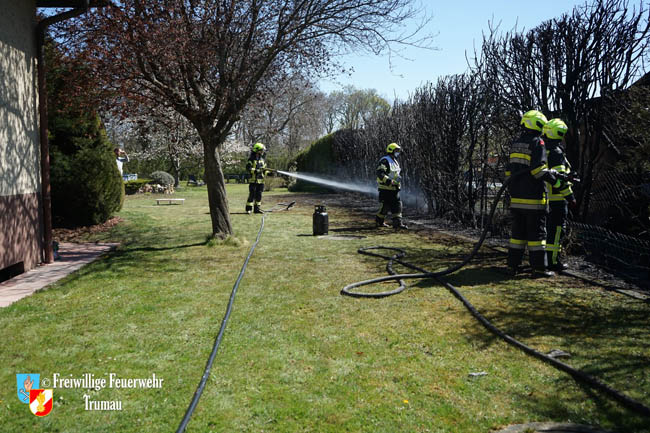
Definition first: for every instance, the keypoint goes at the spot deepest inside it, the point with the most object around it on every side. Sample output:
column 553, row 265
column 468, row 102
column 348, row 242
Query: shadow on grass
column 620, row 419
column 607, row 335
column 368, row 230
column 365, row 228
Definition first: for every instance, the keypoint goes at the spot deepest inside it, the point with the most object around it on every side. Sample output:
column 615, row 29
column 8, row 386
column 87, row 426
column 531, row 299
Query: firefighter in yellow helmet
column 559, row 198
column 528, row 195
column 389, row 183
column 256, row 167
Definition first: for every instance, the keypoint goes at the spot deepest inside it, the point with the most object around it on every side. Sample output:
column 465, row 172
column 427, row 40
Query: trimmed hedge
column 132, row 186
column 317, row 158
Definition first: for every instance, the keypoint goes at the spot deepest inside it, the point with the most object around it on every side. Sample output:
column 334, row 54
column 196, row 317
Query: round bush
column 162, row 178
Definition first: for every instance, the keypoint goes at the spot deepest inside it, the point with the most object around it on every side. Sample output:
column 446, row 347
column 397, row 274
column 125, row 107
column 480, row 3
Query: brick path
column 73, row 257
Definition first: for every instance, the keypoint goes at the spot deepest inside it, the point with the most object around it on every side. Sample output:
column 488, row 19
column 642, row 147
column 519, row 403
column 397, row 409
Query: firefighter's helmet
column 259, row 147
column 555, row 129
column 393, row 147
column 534, row 120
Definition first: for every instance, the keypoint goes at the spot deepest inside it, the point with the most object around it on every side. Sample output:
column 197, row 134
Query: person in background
column 528, row 195
column 256, row 168
column 120, row 158
column 389, row 184
column 560, row 199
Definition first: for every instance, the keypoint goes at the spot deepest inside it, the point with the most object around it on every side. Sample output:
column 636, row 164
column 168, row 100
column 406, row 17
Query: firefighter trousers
column 254, row 196
column 528, row 230
column 389, row 200
column 555, row 229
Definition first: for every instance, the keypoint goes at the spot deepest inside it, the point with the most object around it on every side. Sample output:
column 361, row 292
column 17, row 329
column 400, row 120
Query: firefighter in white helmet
column 389, row 184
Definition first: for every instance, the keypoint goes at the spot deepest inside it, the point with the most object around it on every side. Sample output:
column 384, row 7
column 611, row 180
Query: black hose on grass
column 217, row 342
column 578, row 375
column 423, row 273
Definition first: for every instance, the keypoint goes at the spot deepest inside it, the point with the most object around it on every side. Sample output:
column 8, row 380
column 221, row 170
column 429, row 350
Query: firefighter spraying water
column 347, row 186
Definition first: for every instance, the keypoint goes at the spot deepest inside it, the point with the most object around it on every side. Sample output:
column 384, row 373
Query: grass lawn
column 299, row 357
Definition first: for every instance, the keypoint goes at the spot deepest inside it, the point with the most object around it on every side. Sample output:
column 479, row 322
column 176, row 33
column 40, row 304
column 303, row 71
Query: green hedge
column 86, row 185
column 132, row 186
column 318, row 158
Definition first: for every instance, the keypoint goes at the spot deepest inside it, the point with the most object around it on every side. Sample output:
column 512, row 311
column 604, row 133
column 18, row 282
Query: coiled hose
column 585, row 378
column 423, row 273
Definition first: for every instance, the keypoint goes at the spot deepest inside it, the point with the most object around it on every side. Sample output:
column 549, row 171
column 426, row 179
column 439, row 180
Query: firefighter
column 389, row 184
column 559, row 198
column 528, row 196
column 256, row 168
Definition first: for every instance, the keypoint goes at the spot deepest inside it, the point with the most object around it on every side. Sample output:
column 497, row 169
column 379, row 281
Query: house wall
column 20, row 176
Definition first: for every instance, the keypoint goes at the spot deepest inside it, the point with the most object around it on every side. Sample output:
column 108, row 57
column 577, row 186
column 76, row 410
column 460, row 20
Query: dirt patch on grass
column 80, row 234
column 453, row 236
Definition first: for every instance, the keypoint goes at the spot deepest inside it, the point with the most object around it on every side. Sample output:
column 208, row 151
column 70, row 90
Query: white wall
column 19, row 139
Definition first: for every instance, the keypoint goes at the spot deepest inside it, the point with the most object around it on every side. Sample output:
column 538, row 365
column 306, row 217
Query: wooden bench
column 170, row 200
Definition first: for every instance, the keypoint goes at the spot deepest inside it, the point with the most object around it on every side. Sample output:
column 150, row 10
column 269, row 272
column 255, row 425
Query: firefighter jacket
column 256, row 168
column 388, row 174
column 557, row 161
column 528, row 157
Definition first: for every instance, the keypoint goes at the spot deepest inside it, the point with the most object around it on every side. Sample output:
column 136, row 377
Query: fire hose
column 224, row 322
column 578, row 375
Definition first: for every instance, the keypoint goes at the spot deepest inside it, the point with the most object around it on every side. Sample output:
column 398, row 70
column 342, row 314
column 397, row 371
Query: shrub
column 132, row 186
column 86, row 184
column 273, row 182
column 162, row 178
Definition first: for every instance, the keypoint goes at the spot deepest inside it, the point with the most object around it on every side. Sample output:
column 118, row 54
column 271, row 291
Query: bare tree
column 206, row 59
column 570, row 67
column 289, row 117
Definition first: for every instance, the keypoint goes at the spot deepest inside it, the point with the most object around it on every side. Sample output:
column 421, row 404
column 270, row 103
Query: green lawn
column 297, row 356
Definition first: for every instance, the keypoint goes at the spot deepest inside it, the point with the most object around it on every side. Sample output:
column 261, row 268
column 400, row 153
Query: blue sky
column 458, row 26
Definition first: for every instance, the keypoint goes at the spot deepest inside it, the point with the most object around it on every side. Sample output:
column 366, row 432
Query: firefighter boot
column 398, row 224
column 512, row 271
column 515, row 255
column 542, row 273
column 249, row 209
column 257, row 209
column 379, row 222
column 558, row 266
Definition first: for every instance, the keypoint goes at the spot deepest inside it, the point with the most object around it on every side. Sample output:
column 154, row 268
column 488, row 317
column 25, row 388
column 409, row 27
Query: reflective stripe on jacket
column 528, row 190
column 557, row 161
column 256, row 163
column 388, row 170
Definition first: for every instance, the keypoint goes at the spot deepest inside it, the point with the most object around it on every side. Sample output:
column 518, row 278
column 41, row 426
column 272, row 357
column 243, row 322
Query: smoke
column 335, row 184
column 410, row 197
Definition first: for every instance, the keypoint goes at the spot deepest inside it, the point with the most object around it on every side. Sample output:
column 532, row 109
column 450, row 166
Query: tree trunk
column 217, row 199
column 176, row 168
